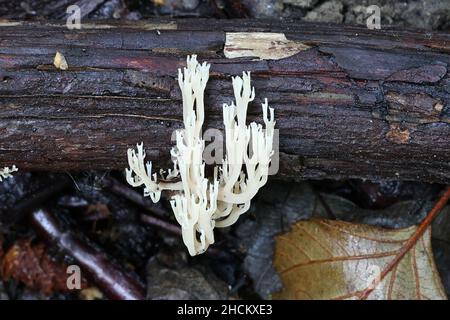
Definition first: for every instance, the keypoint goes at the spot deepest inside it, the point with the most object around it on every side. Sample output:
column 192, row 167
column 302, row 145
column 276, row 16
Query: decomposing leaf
column 283, row 204
column 329, row 259
column 31, row 265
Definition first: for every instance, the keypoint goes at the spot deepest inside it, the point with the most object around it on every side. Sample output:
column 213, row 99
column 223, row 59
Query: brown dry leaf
column 31, row 265
column 329, row 259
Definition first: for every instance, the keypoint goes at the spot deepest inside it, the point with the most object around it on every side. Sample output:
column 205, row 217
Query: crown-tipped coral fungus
column 201, row 204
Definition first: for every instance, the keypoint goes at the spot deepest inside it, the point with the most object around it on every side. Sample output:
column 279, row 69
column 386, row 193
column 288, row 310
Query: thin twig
column 133, row 196
column 108, row 276
column 161, row 224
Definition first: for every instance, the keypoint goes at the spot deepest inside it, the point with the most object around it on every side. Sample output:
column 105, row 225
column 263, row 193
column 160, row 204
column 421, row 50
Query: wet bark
column 350, row 102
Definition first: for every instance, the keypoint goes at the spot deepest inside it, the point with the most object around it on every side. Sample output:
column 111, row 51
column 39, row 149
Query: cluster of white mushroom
column 6, row 172
column 201, row 204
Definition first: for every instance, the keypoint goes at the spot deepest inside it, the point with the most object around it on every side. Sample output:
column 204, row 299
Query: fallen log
column 350, row 102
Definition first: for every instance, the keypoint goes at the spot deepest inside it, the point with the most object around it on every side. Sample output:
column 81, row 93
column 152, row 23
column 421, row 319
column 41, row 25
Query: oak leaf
column 329, row 259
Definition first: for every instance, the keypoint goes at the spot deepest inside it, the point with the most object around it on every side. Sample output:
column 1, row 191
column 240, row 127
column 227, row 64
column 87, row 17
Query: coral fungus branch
column 201, row 204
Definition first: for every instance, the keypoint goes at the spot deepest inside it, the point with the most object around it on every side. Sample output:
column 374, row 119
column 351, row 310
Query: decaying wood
column 350, row 102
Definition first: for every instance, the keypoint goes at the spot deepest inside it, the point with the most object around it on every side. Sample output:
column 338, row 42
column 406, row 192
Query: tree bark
column 350, row 102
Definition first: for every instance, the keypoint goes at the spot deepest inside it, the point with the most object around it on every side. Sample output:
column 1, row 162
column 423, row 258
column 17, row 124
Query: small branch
column 161, row 224
column 110, row 278
column 133, row 196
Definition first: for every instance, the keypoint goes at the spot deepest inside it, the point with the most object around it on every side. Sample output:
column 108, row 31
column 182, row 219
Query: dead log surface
column 357, row 104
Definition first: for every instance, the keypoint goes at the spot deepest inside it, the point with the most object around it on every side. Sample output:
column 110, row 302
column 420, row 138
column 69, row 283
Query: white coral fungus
column 6, row 172
column 199, row 203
